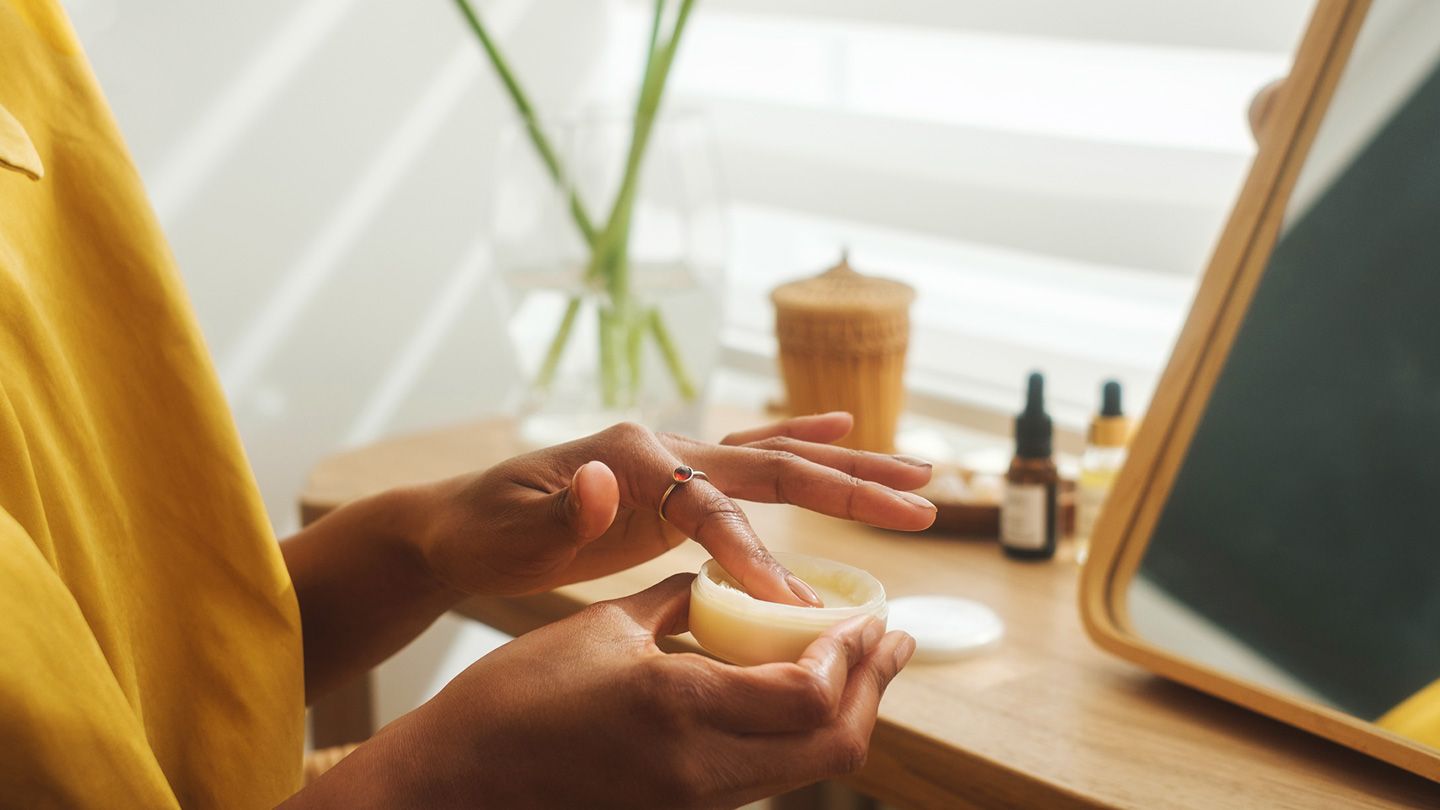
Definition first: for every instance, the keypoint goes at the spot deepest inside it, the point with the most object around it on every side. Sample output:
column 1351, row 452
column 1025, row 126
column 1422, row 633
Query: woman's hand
column 590, row 507
column 588, row 712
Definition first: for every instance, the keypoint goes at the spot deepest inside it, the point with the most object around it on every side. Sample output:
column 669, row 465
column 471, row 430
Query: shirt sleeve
column 70, row 737
column 1417, row 717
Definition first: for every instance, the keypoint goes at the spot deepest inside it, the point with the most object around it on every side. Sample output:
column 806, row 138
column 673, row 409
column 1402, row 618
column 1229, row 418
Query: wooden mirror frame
column 1223, row 297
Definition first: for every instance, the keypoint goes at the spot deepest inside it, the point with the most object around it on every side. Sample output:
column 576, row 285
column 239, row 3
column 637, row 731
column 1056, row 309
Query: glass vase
column 614, row 322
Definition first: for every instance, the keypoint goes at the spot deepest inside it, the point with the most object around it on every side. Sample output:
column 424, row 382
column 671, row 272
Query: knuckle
column 881, row 676
column 606, row 614
column 784, row 466
column 673, row 694
column 851, row 752
column 782, row 458
column 628, row 431
column 851, row 492
column 773, row 443
column 719, row 512
column 812, row 699
column 882, row 669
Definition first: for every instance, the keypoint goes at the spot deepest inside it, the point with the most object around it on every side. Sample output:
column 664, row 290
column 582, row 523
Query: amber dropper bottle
column 1029, row 510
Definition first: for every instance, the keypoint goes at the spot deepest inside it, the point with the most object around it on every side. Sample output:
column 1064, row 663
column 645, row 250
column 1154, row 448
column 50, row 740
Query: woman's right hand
column 589, row 712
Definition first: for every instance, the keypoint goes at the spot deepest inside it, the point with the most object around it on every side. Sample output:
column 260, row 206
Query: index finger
column 713, row 520
column 704, row 514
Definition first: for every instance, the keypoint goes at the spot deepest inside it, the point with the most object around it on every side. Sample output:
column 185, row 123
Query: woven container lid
column 843, row 314
column 842, row 291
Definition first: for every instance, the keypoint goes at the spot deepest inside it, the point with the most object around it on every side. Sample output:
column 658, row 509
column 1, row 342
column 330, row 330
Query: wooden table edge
column 904, row 767
column 908, row 765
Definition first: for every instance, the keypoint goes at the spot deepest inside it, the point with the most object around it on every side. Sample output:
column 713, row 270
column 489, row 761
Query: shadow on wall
column 327, row 201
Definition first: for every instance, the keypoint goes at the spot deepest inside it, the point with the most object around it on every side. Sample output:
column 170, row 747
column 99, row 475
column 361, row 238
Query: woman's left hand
column 591, row 507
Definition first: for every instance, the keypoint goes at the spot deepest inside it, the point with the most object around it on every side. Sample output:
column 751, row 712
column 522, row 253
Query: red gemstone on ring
column 683, row 474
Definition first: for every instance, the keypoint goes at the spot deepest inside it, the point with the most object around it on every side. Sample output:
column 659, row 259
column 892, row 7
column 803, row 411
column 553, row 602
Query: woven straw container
column 843, row 338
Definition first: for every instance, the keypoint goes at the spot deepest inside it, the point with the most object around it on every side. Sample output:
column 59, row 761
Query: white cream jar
column 741, row 629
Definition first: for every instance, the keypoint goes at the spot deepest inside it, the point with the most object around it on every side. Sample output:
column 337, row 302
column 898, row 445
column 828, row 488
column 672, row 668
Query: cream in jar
column 735, row 626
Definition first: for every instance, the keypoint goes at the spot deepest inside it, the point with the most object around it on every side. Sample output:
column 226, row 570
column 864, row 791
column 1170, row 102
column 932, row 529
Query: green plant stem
column 609, row 358
column 551, row 363
column 614, row 242
column 650, row 47
column 583, row 223
column 609, row 247
column 616, row 237
column 671, row 355
column 582, row 219
column 634, row 354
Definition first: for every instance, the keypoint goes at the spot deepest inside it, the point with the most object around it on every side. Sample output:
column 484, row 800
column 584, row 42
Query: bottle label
column 1023, row 516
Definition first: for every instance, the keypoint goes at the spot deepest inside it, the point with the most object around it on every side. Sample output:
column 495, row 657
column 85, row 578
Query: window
column 1050, row 176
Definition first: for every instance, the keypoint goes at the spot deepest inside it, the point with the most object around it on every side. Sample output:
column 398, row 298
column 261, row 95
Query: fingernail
column 913, row 461
column 904, row 651
column 913, row 499
column 803, row 592
column 871, row 635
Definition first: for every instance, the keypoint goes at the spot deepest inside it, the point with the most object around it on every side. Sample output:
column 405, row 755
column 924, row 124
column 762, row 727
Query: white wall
column 321, row 168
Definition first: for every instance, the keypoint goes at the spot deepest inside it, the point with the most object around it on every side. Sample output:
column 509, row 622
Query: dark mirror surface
column 1300, row 545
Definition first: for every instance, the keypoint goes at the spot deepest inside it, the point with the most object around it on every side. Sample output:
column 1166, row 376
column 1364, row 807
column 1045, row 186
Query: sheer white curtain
column 1051, row 175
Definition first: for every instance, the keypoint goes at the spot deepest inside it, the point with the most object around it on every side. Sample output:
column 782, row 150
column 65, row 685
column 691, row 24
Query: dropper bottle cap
column 1110, row 399
column 1110, row 427
column 1033, row 429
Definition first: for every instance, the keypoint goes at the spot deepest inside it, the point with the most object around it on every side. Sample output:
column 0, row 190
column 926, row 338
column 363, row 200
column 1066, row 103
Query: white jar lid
column 945, row 628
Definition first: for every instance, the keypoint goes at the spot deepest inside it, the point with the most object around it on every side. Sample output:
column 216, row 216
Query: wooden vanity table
column 1046, row 720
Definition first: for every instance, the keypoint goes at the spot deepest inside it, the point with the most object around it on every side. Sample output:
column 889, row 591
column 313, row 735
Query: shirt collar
column 16, row 151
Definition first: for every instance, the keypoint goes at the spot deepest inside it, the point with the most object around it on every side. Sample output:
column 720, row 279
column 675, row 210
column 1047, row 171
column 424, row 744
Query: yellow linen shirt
column 149, row 635
column 1417, row 717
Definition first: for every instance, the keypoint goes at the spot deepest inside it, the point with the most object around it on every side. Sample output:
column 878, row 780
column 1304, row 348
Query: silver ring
column 681, row 475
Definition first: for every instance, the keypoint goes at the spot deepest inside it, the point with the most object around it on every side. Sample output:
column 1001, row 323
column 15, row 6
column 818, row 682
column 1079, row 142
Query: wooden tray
column 968, row 503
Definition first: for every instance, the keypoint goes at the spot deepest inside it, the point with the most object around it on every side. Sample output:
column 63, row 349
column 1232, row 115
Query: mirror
column 1282, row 548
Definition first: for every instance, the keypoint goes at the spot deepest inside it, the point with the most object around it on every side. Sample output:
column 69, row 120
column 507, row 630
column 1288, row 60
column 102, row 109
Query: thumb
column 587, row 507
column 663, row 608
